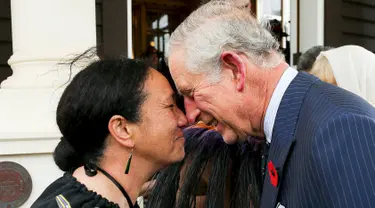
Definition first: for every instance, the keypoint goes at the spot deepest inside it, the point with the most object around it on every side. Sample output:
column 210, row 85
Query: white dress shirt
column 277, row 95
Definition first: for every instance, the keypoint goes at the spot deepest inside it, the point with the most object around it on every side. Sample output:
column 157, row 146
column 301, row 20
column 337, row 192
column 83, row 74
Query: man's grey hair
column 221, row 26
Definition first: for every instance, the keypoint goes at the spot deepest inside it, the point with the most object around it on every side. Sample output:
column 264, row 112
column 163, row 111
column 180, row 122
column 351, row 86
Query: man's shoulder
column 337, row 96
column 327, row 102
column 327, row 105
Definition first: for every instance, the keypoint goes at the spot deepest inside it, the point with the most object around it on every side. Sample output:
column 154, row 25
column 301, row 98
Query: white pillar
column 45, row 33
column 311, row 24
column 130, row 29
column 293, row 30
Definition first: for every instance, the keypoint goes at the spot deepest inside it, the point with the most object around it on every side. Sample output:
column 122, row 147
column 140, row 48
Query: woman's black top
column 67, row 192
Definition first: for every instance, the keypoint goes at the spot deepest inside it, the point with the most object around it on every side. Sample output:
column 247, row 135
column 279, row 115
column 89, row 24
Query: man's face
column 218, row 104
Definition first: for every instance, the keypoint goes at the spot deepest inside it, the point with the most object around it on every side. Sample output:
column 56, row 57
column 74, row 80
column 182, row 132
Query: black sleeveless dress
column 67, row 192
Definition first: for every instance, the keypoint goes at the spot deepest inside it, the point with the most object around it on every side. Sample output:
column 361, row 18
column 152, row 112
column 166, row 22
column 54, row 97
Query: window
column 158, row 31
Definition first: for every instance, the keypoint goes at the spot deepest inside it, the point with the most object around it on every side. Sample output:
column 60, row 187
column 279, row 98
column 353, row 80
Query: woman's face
column 160, row 138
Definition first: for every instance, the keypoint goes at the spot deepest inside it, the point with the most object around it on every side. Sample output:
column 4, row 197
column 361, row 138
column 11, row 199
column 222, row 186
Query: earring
column 90, row 169
column 129, row 161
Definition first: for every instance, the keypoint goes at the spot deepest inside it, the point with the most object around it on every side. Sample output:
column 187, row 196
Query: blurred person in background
column 307, row 59
column 151, row 57
column 350, row 67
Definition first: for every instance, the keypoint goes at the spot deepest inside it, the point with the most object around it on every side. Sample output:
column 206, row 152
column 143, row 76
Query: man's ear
column 233, row 62
column 121, row 130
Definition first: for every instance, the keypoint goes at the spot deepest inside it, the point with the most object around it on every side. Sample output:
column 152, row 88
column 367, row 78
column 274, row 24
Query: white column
column 130, row 29
column 311, row 23
column 45, row 33
column 293, row 29
column 311, row 29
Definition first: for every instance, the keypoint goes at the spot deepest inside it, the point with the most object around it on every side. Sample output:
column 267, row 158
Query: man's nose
column 192, row 112
column 181, row 120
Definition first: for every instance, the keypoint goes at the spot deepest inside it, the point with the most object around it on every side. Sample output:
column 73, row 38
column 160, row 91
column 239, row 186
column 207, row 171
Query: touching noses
column 192, row 112
column 181, row 120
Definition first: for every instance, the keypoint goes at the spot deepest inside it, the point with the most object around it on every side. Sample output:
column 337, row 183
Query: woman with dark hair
column 212, row 174
column 307, row 59
column 120, row 125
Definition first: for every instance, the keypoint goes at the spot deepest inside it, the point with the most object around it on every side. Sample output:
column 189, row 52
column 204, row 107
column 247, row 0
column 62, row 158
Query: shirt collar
column 277, row 95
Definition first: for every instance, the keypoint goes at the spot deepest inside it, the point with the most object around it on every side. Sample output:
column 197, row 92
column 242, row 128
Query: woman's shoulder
column 68, row 192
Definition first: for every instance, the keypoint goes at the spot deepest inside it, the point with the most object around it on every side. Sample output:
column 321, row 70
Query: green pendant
column 128, row 164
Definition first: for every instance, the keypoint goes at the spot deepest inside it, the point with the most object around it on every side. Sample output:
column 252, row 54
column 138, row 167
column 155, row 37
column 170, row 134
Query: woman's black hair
column 206, row 147
column 101, row 90
column 248, row 175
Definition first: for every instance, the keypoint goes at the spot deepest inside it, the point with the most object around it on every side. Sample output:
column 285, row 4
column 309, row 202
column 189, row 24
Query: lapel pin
column 274, row 177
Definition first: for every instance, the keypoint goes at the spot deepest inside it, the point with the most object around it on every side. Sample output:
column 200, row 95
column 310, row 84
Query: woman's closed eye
column 171, row 106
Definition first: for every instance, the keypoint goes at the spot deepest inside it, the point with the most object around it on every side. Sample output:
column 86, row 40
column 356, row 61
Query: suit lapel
column 283, row 134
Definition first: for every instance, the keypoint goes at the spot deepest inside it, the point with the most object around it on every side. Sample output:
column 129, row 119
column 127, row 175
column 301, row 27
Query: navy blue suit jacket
column 323, row 148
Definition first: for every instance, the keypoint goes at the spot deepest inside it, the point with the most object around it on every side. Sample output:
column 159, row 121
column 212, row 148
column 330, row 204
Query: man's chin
column 230, row 139
column 229, row 136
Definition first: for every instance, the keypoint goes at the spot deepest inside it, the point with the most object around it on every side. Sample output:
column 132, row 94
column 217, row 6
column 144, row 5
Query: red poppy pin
column 274, row 177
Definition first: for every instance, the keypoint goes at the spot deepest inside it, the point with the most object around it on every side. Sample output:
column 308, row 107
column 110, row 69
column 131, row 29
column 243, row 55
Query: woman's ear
column 121, row 130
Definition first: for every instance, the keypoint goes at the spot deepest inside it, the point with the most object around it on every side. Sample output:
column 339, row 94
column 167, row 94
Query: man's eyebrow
column 185, row 92
column 244, row 6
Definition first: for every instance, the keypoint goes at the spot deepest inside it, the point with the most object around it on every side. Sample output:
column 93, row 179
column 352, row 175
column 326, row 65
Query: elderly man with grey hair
column 320, row 138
